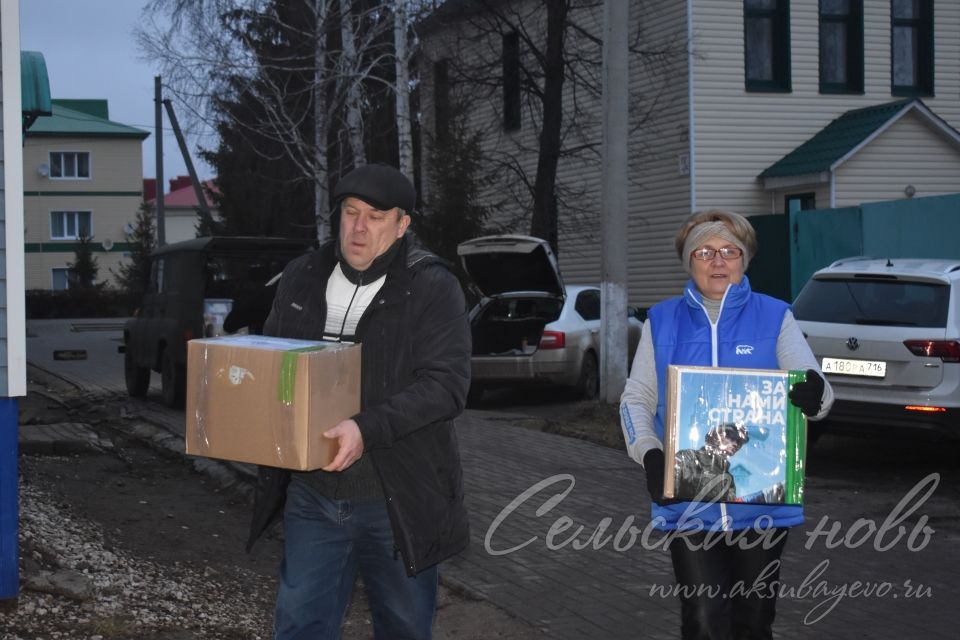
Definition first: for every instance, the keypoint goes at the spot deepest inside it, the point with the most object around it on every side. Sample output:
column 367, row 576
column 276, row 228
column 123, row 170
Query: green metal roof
column 34, row 87
column 95, row 108
column 82, row 119
column 836, row 140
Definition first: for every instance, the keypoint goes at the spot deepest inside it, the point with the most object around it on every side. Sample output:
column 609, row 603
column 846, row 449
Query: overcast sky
column 90, row 51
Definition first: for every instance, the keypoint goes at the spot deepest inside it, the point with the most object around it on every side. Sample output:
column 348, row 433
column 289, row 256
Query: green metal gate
column 793, row 246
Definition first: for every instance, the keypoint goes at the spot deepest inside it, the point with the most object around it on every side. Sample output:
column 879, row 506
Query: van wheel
column 172, row 382
column 589, row 384
column 136, row 378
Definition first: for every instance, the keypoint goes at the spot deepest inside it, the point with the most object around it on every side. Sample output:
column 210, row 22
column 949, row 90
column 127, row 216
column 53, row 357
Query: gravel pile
column 72, row 587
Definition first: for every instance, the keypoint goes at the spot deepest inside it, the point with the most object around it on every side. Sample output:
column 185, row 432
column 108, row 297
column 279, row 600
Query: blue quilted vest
column 745, row 336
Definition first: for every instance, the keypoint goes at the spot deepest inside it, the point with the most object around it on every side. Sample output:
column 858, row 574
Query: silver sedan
column 513, row 344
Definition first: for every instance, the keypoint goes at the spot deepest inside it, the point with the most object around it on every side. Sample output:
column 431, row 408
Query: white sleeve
column 638, row 404
column 793, row 352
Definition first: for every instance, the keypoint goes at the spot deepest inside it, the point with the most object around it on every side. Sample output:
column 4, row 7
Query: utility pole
column 613, row 209
column 194, row 180
column 158, row 144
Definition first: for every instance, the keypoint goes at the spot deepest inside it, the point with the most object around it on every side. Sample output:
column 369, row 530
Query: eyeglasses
column 727, row 253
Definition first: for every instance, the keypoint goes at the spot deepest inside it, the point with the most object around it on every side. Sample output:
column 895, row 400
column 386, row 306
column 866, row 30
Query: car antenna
column 889, row 264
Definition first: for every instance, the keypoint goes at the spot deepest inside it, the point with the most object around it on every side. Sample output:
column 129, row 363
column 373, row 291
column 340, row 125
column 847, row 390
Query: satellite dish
column 107, row 244
column 128, row 228
column 44, row 170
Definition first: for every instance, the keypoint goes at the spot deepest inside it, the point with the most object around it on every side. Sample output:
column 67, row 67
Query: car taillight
column 553, row 340
column 925, row 409
column 946, row 350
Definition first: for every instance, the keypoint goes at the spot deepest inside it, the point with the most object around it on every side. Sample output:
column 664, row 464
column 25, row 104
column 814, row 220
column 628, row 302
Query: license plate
column 845, row 367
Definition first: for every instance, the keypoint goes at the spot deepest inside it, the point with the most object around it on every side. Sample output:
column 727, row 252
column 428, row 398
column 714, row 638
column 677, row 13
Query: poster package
column 733, row 436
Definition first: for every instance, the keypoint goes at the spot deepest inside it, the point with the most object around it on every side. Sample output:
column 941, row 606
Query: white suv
column 887, row 335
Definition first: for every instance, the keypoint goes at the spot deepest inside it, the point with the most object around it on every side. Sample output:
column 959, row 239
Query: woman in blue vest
column 727, row 588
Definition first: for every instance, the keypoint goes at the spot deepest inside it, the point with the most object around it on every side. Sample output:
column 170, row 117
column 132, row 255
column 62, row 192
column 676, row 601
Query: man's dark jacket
column 414, row 379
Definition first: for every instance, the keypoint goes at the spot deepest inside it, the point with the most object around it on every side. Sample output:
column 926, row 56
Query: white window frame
column 66, row 278
column 76, row 234
column 76, row 163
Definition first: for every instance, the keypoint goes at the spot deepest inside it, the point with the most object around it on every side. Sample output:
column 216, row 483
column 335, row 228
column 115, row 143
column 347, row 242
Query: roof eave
column 772, row 183
column 80, row 134
column 933, row 120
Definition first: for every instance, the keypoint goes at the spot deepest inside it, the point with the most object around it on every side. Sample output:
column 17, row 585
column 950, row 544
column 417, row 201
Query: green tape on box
column 796, row 446
column 288, row 372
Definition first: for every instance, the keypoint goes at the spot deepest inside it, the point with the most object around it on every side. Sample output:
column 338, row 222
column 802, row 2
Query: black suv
column 193, row 286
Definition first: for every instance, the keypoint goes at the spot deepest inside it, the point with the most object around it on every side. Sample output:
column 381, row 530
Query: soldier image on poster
column 704, row 474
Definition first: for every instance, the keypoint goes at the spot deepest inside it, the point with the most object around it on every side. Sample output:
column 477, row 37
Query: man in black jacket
column 390, row 504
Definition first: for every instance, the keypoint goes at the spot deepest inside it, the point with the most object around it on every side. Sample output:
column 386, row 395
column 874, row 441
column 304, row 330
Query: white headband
column 706, row 230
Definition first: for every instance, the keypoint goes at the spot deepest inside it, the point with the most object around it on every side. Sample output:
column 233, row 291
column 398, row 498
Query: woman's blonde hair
column 735, row 223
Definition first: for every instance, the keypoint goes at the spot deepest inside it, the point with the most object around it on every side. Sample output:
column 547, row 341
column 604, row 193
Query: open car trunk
column 512, row 326
column 522, row 289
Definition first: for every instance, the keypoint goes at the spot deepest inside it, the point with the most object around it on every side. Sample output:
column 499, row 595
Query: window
column 799, row 202
column 841, row 46
column 911, row 44
column 66, row 165
column 61, row 279
column 588, row 304
column 157, row 282
column 511, row 82
column 69, row 225
column 881, row 303
column 766, row 27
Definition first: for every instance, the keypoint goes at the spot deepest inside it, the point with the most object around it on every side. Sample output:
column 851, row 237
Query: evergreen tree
column 262, row 190
column 451, row 213
column 84, row 268
column 299, row 92
column 133, row 276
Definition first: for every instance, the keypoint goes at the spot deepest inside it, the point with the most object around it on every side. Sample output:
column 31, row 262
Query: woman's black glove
column 808, row 395
column 653, row 465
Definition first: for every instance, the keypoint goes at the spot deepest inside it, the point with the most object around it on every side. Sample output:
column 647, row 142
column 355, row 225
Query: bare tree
column 320, row 124
column 401, row 31
column 353, row 107
column 557, row 52
column 217, row 51
column 543, row 222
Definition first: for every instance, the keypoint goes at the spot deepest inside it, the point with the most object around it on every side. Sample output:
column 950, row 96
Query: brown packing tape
column 197, row 413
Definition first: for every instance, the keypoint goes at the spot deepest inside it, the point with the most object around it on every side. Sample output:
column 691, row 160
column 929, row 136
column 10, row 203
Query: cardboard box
column 267, row 400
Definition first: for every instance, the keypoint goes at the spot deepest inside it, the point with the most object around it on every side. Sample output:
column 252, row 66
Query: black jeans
column 728, row 592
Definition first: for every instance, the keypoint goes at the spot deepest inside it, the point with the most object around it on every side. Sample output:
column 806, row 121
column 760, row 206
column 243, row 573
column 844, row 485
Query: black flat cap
column 379, row 185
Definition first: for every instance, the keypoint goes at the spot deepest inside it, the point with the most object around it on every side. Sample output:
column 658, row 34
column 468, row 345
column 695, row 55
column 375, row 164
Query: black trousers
column 728, row 592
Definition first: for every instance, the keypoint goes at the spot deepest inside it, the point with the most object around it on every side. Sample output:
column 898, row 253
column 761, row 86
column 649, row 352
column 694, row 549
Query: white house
column 735, row 104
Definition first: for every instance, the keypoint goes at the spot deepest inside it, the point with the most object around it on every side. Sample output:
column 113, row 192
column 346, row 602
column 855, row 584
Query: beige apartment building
column 82, row 176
